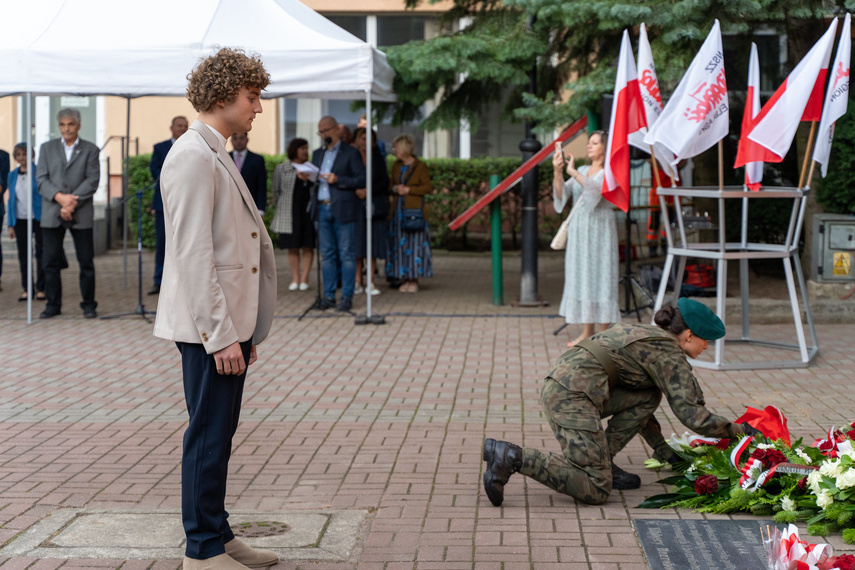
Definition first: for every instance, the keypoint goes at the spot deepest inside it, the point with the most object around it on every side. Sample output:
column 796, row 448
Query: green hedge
column 836, row 192
column 457, row 185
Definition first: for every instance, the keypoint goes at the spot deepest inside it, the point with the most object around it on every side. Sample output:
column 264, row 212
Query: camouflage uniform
column 576, row 394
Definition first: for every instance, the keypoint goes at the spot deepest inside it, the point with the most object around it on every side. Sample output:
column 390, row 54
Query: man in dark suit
column 252, row 169
column 179, row 127
column 336, row 206
column 68, row 176
column 4, row 176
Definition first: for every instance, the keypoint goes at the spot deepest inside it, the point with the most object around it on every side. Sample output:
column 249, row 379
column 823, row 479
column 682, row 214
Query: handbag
column 559, row 242
column 413, row 219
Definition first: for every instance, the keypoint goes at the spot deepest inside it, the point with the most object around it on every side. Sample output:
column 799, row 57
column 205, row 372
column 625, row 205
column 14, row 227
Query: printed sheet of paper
column 307, row 168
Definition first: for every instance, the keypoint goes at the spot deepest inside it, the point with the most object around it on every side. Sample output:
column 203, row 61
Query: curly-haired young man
column 217, row 295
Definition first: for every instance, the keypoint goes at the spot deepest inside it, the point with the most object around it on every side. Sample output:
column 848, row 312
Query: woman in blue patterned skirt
column 408, row 256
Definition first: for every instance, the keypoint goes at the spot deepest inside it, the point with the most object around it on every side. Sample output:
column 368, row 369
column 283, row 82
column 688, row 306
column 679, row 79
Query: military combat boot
column 503, row 460
column 621, row 480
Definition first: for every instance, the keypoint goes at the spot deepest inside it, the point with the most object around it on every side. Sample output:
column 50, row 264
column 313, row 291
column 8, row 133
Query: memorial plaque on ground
column 672, row 544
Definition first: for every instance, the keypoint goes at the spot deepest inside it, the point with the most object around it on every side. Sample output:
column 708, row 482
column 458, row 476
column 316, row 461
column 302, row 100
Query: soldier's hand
column 748, row 429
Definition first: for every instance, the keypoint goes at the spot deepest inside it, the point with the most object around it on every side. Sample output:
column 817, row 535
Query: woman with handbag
column 379, row 211
column 408, row 253
column 591, row 260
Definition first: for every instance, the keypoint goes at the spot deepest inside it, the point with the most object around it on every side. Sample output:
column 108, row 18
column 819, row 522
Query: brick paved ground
column 385, row 418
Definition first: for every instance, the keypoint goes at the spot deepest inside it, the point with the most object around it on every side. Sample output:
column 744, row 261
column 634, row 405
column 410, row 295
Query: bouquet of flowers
column 789, row 481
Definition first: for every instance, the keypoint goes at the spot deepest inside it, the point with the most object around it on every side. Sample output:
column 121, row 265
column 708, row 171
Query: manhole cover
column 260, row 529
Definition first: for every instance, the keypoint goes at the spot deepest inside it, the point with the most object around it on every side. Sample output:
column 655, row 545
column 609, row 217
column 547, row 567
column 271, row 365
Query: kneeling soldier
column 620, row 373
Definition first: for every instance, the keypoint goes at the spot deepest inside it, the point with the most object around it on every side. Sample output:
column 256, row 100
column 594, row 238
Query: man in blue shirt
column 336, row 207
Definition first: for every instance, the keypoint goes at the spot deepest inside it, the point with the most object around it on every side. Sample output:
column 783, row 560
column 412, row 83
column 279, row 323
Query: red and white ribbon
column 740, row 448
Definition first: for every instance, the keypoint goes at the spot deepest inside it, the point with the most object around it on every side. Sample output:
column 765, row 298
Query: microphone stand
column 140, row 310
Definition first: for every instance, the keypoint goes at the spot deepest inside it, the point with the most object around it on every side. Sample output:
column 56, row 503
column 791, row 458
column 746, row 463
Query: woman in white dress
column 591, row 259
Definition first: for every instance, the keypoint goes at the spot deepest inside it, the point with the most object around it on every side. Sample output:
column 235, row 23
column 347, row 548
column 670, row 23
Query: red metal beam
column 517, row 174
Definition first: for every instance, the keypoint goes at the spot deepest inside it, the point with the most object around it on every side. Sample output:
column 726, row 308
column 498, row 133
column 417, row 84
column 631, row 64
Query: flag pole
column 810, row 173
column 655, row 168
column 720, row 165
column 808, row 153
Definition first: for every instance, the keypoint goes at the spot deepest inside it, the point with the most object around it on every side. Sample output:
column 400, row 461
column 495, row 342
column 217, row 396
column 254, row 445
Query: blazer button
column 204, row 337
column 254, row 235
column 254, row 270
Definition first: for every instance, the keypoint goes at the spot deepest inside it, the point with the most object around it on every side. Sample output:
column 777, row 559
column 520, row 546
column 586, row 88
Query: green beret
column 700, row 319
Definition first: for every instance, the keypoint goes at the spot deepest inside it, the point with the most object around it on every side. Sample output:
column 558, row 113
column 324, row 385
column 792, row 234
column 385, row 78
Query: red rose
column 803, row 484
column 851, row 434
column 768, row 457
column 725, row 443
column 706, row 485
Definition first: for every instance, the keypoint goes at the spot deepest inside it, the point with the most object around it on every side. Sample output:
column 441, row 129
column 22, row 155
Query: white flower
column 788, row 504
column 846, row 480
column 803, row 456
column 813, row 482
column 844, row 448
column 824, row 499
column 831, row 468
column 765, row 446
column 690, row 469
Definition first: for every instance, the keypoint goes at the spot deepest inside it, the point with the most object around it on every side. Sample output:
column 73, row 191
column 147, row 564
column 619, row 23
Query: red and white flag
column 836, row 97
column 697, row 115
column 795, row 100
column 753, row 170
column 627, row 117
column 648, row 84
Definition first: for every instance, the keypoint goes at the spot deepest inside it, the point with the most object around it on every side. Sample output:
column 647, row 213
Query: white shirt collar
column 220, row 137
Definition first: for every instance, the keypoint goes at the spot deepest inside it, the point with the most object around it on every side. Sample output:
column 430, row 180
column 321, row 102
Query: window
column 353, row 24
column 397, row 30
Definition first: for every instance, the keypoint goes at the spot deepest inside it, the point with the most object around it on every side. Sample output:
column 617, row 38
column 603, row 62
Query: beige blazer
column 219, row 274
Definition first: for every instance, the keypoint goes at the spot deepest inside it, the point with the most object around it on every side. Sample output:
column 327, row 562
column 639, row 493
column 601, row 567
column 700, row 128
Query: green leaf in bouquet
column 660, row 501
column 844, row 517
column 672, row 480
column 849, row 536
column 761, row 510
column 786, row 517
column 819, row 529
column 817, row 518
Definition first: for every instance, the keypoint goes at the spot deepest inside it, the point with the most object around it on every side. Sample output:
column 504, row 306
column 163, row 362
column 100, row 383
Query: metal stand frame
column 722, row 251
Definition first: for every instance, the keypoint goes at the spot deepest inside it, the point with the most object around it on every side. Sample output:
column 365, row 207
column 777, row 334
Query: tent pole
column 29, row 154
column 369, row 280
column 126, row 151
column 369, row 319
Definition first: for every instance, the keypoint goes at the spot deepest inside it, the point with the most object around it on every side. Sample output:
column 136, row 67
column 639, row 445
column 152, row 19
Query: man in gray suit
column 68, row 176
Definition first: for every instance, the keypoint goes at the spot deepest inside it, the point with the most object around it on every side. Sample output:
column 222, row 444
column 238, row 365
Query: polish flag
column 648, row 84
column 627, row 117
column 697, row 115
column 753, row 170
column 775, row 126
column 836, row 98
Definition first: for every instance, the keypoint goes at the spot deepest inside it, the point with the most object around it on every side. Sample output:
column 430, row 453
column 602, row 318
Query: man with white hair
column 68, row 177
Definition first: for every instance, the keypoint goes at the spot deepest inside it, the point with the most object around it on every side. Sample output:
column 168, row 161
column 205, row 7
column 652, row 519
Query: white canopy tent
column 112, row 47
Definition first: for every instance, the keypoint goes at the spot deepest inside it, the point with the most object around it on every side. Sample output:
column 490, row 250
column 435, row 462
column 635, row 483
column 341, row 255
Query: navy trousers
column 213, row 402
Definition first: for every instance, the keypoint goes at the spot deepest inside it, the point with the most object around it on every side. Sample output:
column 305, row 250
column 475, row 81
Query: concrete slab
column 330, row 535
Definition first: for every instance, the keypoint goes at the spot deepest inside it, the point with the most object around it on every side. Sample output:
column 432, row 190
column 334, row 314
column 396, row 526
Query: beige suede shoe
column 249, row 556
column 221, row 562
